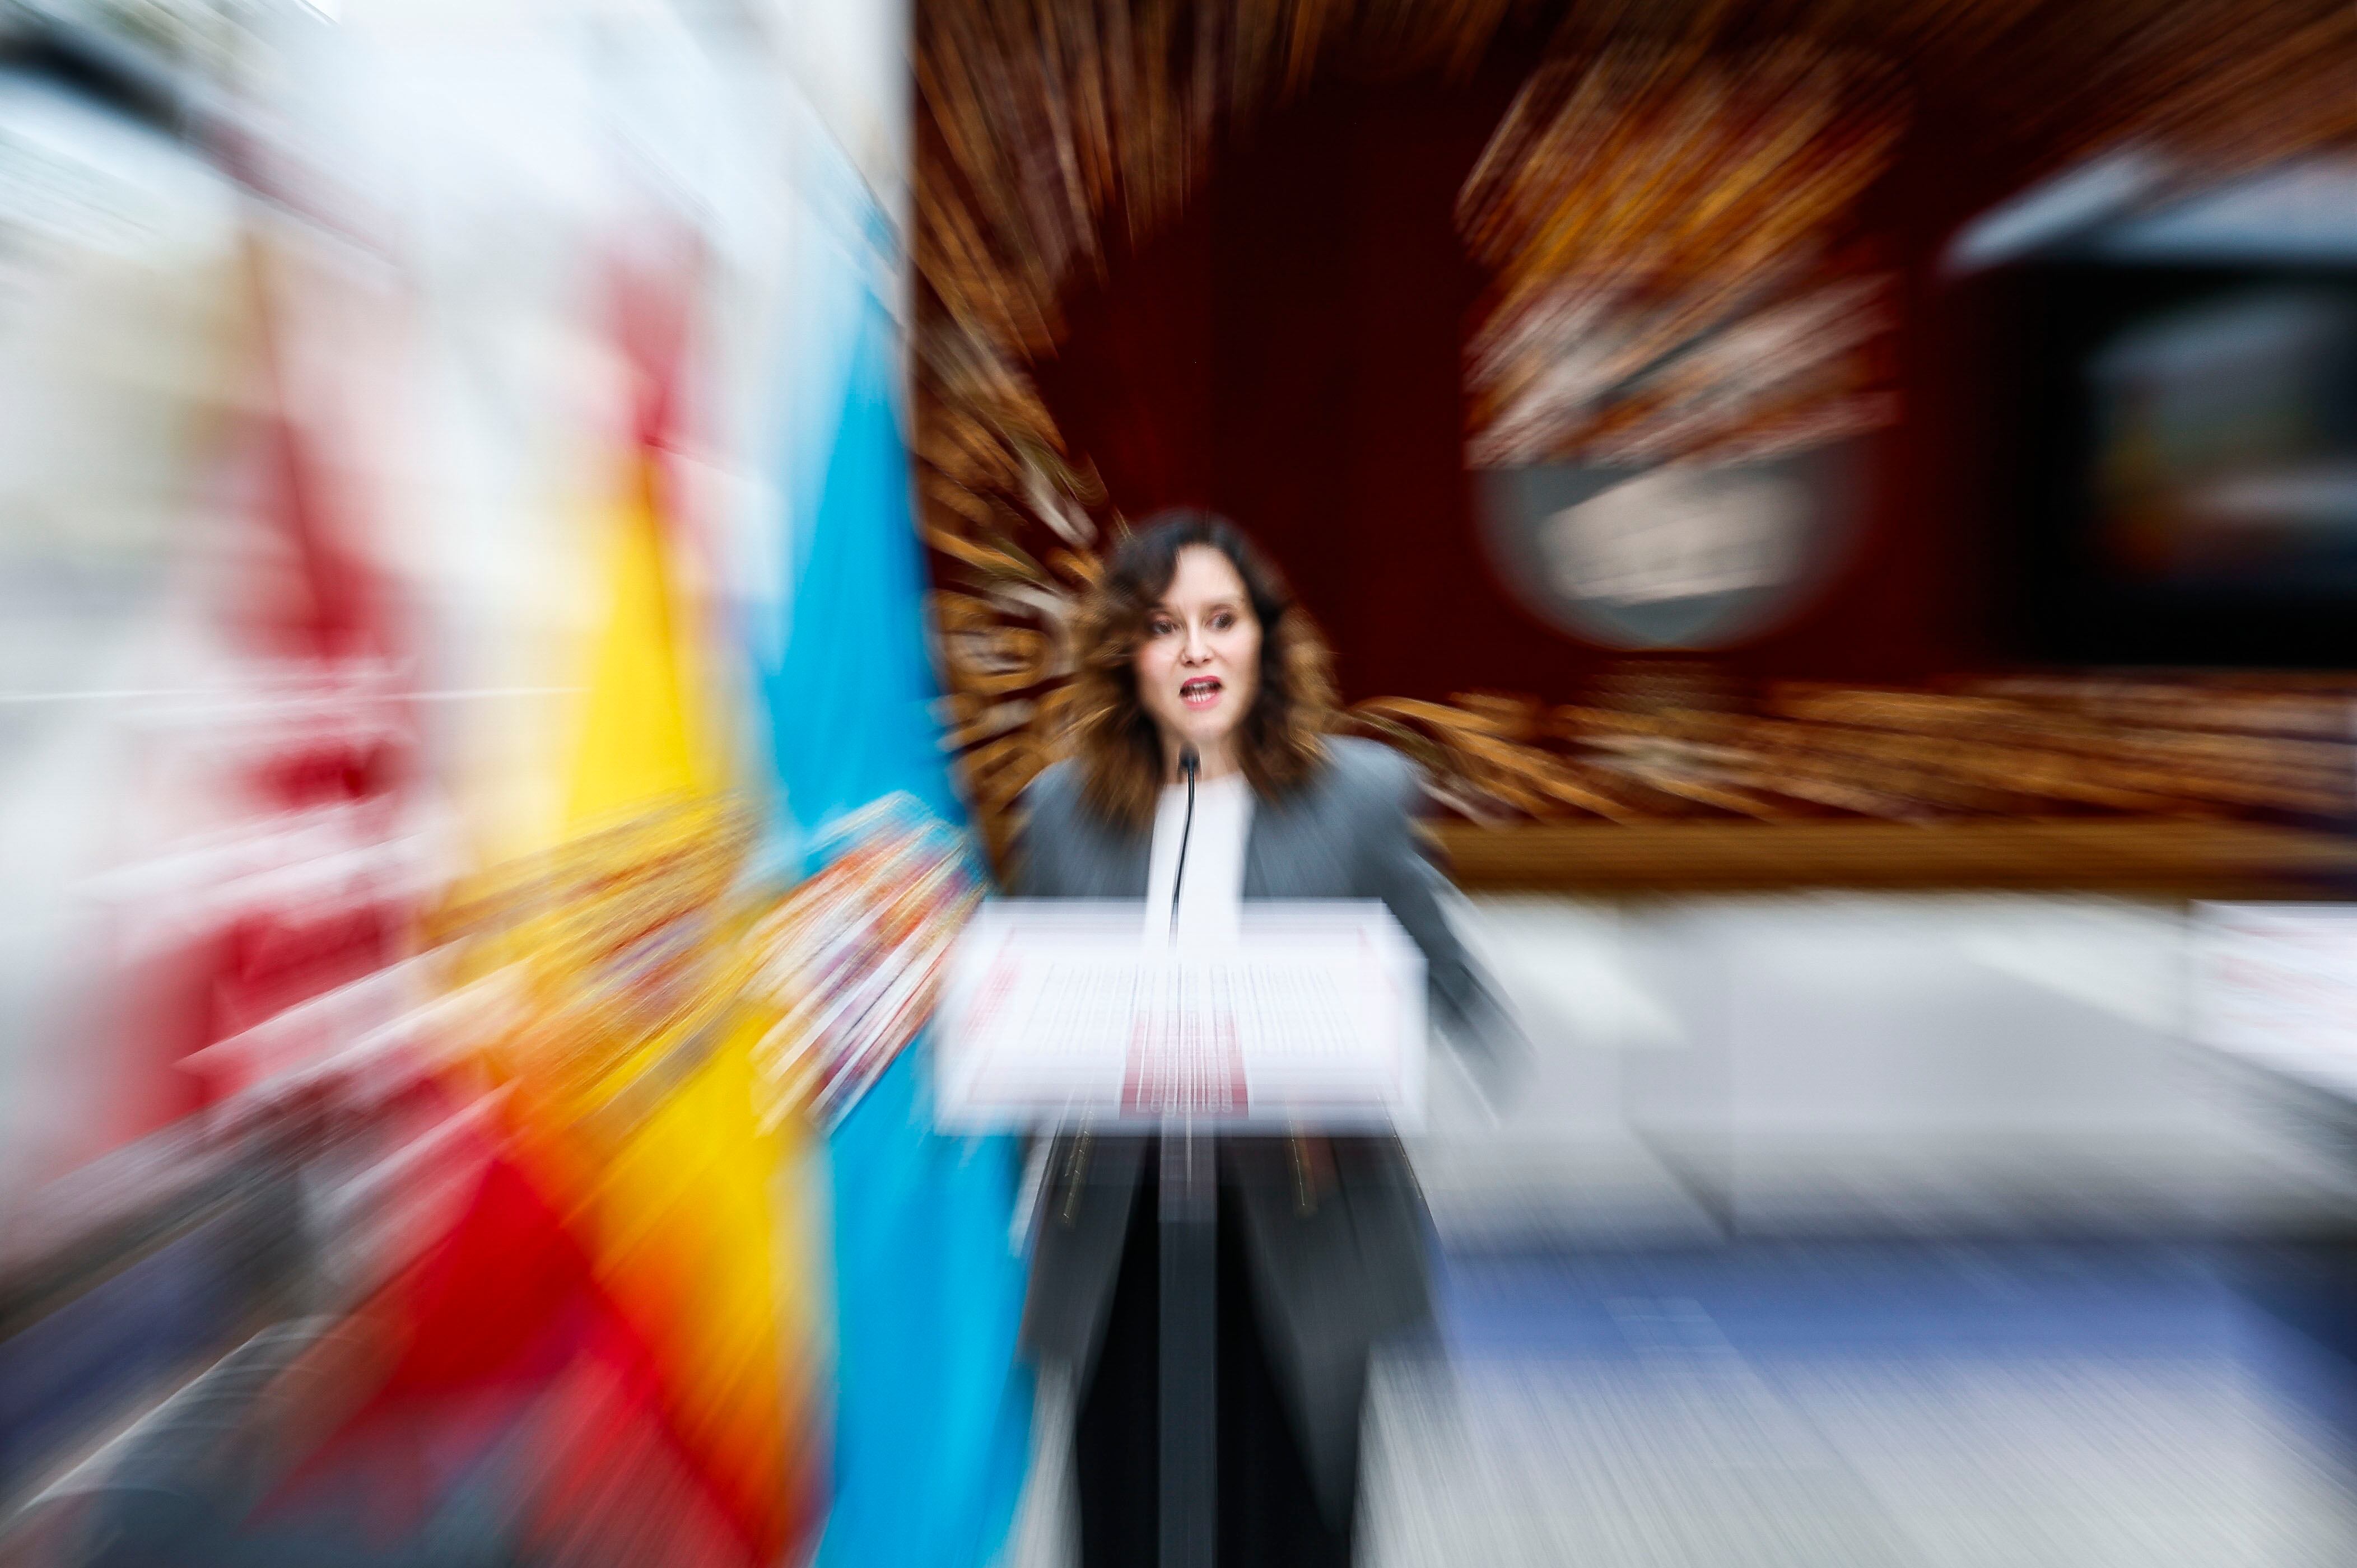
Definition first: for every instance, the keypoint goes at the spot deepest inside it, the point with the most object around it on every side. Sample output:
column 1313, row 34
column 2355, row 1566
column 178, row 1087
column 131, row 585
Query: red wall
column 1290, row 352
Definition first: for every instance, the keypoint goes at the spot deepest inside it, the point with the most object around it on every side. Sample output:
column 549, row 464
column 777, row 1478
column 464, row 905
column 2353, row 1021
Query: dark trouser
column 1269, row 1516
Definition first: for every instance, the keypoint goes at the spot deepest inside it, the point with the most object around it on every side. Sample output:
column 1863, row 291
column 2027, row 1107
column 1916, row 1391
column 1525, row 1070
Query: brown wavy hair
column 1280, row 741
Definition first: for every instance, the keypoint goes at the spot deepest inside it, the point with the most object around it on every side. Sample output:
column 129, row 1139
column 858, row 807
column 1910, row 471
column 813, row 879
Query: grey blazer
column 1334, row 1229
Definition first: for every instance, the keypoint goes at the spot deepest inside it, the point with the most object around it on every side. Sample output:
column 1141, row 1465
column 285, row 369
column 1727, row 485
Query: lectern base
column 1188, row 1446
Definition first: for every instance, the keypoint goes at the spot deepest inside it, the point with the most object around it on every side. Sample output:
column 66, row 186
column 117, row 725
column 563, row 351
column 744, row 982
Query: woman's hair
column 1114, row 738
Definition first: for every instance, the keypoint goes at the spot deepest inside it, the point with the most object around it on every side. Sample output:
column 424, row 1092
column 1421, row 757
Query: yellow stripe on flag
column 645, row 738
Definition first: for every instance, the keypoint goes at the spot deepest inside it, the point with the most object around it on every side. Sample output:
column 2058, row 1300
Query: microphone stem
column 1186, row 765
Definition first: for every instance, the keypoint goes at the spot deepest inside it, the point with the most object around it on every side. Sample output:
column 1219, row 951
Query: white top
column 1213, row 893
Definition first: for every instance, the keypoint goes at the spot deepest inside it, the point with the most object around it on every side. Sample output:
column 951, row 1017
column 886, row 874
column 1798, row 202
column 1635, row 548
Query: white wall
column 1823, row 1063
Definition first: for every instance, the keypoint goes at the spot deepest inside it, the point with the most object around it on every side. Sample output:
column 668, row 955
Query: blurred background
column 1854, row 508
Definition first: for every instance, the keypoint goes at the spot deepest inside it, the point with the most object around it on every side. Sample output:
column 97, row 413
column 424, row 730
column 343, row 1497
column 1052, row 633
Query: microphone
column 1188, row 764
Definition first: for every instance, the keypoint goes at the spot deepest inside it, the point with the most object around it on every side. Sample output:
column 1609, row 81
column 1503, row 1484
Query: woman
column 1191, row 647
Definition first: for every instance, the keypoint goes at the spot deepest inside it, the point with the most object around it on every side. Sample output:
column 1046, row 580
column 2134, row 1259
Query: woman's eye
column 1160, row 627
column 1221, row 621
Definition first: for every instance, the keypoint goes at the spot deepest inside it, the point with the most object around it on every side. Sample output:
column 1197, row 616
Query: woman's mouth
column 1202, row 692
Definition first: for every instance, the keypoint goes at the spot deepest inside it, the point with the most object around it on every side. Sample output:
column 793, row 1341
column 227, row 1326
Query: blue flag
column 933, row 1415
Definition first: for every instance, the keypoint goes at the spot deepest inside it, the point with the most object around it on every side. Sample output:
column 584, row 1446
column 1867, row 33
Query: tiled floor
column 1713, row 1461
column 1914, row 1406
column 1918, row 1406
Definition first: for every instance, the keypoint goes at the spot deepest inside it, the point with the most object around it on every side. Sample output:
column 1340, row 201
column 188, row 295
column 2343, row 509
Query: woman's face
column 1198, row 664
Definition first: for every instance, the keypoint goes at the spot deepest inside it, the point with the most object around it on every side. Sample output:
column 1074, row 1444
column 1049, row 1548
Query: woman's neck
column 1215, row 761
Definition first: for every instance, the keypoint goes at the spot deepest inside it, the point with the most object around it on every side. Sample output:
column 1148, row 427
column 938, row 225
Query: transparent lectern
column 1059, row 1015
